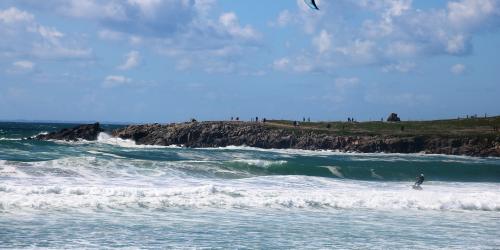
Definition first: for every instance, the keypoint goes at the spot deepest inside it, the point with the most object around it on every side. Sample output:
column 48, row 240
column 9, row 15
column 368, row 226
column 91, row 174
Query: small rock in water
column 88, row 132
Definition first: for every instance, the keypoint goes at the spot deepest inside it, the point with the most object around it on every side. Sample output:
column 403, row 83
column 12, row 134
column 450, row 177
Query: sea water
column 114, row 194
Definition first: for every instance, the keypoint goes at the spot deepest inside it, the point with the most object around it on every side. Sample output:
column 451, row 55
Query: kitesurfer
column 420, row 180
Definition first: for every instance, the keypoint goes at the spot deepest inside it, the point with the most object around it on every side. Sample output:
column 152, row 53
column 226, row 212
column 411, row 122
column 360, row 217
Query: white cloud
column 57, row 51
column 107, row 34
column 458, row 69
column 468, row 14
column 284, row 18
column 323, row 42
column 13, row 15
column 49, row 33
column 360, row 51
column 230, row 22
column 24, row 65
column 112, row 81
column 397, row 7
column 402, row 67
column 154, row 18
column 22, row 35
column 21, row 67
column 393, row 30
column 135, row 40
column 147, row 7
column 281, row 64
column 456, row 44
column 181, row 29
column 91, row 9
column 345, row 83
column 184, row 64
column 132, row 60
column 400, row 49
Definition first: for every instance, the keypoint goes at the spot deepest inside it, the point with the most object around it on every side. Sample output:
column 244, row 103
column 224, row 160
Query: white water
column 261, row 163
column 115, row 141
column 70, row 184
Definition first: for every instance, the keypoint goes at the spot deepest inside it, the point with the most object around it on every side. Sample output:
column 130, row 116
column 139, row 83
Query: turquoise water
column 115, row 194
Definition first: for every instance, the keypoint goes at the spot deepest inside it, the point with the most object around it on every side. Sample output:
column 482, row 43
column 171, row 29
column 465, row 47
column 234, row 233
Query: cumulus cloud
column 458, row 69
column 24, row 65
column 112, row 81
column 393, row 31
column 132, row 60
column 285, row 17
column 20, row 67
column 472, row 14
column 152, row 18
column 22, row 35
column 323, row 41
column 281, row 64
column 402, row 67
column 13, row 15
column 184, row 30
column 344, row 83
column 111, row 35
column 359, row 51
column 230, row 22
column 216, row 46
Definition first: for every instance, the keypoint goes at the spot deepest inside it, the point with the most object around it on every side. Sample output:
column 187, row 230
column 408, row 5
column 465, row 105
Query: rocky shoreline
column 221, row 134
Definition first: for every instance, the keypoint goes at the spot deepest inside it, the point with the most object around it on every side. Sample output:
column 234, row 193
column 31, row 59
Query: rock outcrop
column 221, row 134
column 393, row 117
column 86, row 132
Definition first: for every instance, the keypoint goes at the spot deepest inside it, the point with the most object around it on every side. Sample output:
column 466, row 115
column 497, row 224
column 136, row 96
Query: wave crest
column 244, row 195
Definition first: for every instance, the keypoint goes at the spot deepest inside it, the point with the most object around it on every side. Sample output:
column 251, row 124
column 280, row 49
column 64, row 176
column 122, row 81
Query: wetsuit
column 420, row 180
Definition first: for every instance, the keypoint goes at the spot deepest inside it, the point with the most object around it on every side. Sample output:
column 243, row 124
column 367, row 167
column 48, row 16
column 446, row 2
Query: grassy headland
column 452, row 127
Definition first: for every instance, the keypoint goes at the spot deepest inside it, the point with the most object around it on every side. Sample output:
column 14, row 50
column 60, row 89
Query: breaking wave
column 256, row 193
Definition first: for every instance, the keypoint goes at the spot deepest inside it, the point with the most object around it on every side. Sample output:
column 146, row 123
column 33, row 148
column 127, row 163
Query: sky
column 172, row 60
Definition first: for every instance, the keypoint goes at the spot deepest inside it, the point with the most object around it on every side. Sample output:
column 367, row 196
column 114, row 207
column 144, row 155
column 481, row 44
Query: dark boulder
column 86, row 132
column 393, row 117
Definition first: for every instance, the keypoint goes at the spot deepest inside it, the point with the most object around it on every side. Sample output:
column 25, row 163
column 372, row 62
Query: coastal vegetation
column 451, row 127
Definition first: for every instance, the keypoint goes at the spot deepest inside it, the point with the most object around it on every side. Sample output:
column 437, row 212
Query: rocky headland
column 268, row 135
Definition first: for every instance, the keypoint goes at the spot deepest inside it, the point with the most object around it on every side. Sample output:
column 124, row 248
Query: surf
column 263, row 192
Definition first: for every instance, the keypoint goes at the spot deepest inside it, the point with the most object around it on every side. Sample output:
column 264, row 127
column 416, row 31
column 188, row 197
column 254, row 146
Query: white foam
column 260, row 163
column 7, row 170
column 105, row 154
column 115, row 141
column 10, row 139
column 335, row 171
column 375, row 175
column 108, row 139
column 278, row 192
column 357, row 156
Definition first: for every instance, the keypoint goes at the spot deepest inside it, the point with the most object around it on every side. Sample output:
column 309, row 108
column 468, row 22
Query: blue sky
column 170, row 60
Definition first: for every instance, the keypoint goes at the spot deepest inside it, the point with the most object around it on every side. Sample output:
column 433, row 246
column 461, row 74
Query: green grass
column 454, row 127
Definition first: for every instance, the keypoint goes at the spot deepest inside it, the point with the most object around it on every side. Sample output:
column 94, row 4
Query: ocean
column 112, row 193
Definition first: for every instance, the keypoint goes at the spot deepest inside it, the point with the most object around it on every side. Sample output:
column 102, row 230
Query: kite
column 312, row 4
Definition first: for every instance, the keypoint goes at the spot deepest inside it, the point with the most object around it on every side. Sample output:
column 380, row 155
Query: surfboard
column 416, row 187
